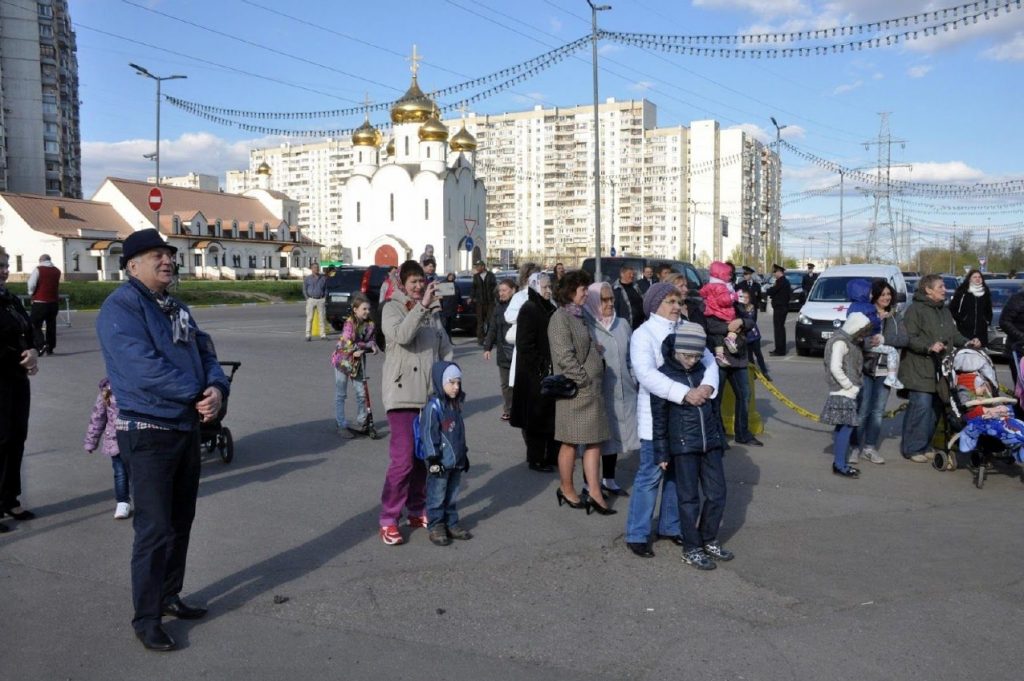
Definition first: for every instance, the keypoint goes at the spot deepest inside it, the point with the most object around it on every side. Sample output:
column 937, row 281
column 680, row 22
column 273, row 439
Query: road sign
column 613, row 251
column 469, row 244
column 982, row 261
column 156, row 199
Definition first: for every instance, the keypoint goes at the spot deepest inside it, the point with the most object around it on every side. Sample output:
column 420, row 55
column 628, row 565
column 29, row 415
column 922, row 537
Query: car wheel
column 803, row 351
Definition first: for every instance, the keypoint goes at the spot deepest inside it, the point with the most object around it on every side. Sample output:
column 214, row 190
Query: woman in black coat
column 531, row 412
column 17, row 362
column 972, row 307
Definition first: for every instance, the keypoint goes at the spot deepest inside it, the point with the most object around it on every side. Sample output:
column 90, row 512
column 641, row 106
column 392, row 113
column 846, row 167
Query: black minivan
column 347, row 281
column 610, row 268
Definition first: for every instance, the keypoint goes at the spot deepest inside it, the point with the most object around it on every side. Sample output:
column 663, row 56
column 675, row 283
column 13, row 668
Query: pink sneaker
column 418, row 520
column 390, row 535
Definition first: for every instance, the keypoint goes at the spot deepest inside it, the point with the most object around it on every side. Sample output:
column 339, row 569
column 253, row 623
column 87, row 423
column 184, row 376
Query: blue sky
column 954, row 97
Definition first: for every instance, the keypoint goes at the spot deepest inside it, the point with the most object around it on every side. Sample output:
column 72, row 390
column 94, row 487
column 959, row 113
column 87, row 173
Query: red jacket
column 47, row 284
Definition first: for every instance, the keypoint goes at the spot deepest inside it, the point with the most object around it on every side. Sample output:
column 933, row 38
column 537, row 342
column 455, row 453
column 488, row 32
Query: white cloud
column 200, row 152
column 847, row 87
column 919, row 71
column 530, row 98
column 1011, row 50
column 609, row 48
column 641, row 86
column 555, row 24
column 945, row 171
column 877, row 76
column 789, row 132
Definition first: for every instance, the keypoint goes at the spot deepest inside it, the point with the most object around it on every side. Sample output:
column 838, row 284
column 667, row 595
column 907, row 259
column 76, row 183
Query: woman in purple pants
column 416, row 338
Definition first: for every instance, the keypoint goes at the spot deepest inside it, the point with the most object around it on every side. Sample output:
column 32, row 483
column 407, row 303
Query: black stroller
column 214, row 434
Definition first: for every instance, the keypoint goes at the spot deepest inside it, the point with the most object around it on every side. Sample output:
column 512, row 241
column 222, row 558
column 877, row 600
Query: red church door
column 386, row 256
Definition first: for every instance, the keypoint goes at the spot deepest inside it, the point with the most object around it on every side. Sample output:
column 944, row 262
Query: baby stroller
column 213, row 434
column 979, row 424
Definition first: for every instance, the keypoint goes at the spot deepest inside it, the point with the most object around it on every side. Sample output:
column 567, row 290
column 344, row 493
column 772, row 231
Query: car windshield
column 1001, row 294
column 911, row 285
column 831, row 289
column 346, row 280
column 795, row 279
column 950, row 283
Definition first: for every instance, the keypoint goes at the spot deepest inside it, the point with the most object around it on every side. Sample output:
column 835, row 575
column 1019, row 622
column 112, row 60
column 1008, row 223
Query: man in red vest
column 44, row 287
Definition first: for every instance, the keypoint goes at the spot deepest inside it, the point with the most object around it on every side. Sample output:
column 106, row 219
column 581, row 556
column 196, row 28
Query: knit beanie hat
column 451, row 373
column 855, row 322
column 690, row 338
column 656, row 294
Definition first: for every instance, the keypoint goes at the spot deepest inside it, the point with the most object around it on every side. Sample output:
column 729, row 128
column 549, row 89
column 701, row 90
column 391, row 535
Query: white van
column 825, row 308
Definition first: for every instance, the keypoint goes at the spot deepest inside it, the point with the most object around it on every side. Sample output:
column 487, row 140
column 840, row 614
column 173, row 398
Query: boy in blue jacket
column 860, row 293
column 689, row 437
column 443, row 438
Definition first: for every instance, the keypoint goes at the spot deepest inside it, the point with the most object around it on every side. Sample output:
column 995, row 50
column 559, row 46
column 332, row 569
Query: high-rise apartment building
column 40, row 146
column 696, row 193
column 194, row 180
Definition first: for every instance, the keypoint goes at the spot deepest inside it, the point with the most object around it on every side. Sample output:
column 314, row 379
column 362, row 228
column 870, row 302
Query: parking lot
column 906, row 573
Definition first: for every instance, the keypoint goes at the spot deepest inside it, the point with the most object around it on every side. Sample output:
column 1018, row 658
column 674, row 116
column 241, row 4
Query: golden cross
column 366, row 102
column 463, row 108
column 415, row 59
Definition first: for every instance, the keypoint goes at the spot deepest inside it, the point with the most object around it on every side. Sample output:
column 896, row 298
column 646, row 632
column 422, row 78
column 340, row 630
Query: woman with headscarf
column 519, row 298
column 612, row 334
column 580, row 421
column 533, row 413
column 972, row 307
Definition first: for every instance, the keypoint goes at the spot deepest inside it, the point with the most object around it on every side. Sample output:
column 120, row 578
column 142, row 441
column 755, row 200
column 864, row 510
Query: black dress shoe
column 18, row 513
column 752, row 442
column 175, row 607
column 155, row 638
column 4, row 528
column 541, row 467
column 642, row 549
column 675, row 539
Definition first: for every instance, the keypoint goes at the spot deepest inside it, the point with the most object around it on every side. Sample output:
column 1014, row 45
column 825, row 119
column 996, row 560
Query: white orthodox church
column 420, row 191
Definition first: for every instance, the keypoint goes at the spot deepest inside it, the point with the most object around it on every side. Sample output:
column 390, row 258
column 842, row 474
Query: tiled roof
column 187, row 202
column 67, row 217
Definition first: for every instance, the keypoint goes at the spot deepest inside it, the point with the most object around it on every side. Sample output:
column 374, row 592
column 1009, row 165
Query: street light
column 594, row 9
column 159, row 80
column 778, row 157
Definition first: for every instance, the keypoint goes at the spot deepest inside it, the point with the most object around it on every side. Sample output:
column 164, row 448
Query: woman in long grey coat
column 612, row 334
column 581, row 420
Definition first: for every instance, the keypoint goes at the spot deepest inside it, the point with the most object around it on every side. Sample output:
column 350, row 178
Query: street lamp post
column 159, row 80
column 778, row 157
column 594, row 9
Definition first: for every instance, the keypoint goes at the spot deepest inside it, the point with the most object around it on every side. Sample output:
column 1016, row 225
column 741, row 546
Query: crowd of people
column 587, row 370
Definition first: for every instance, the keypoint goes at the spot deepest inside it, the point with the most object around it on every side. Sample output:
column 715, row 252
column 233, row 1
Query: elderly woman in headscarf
column 531, row 411
column 612, row 334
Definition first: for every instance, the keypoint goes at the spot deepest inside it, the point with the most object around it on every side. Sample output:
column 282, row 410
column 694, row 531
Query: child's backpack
column 419, row 450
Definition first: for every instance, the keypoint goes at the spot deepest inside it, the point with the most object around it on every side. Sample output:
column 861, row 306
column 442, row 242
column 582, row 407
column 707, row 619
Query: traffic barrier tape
column 804, row 412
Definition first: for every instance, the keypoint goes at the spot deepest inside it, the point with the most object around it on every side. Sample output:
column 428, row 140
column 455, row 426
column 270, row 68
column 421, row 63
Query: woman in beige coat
column 581, row 420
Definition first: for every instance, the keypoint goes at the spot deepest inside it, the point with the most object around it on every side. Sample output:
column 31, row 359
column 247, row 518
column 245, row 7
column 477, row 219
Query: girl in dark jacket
column 972, row 307
column 532, row 412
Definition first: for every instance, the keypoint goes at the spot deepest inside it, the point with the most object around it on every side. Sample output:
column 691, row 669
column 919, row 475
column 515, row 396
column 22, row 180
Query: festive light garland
column 1004, row 188
column 530, row 67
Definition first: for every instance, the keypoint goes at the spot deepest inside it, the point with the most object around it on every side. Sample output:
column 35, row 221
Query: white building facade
column 194, row 180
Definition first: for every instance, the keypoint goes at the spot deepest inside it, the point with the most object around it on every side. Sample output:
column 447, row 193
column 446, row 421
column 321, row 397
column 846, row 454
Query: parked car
column 347, row 281
column 989, row 276
column 1002, row 290
column 796, row 281
column 827, row 304
column 911, row 285
column 951, row 281
column 610, row 268
column 465, row 313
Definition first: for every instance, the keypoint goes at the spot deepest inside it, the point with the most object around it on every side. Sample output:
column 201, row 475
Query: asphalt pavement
column 905, row 573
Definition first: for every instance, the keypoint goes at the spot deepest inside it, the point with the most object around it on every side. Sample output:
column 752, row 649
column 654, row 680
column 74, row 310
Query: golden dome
column 433, row 131
column 413, row 106
column 366, row 135
column 263, row 169
column 390, row 148
column 463, row 140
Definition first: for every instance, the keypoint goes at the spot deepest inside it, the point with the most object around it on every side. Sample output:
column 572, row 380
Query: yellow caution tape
column 804, row 412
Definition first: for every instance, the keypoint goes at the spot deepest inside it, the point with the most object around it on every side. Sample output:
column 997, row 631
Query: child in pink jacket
column 720, row 303
column 102, row 429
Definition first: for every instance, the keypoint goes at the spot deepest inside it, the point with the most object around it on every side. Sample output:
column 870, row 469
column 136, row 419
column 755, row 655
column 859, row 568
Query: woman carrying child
column 102, row 427
column 357, row 339
column 844, row 366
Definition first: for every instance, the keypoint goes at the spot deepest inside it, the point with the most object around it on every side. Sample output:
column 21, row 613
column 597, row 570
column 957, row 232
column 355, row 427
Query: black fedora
column 142, row 241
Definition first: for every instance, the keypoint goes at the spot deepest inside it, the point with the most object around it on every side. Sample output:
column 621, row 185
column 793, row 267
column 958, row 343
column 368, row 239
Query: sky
column 954, row 99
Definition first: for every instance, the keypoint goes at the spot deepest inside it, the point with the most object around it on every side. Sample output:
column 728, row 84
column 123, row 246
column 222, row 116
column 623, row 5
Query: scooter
column 369, row 430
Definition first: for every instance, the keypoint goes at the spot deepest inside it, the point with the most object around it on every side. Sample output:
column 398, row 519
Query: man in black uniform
column 779, row 293
column 752, row 288
column 808, row 280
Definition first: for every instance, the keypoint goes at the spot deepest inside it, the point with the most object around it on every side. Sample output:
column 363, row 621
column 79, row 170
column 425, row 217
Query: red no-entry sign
column 156, row 199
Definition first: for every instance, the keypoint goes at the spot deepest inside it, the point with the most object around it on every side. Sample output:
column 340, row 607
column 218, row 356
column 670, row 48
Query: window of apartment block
column 45, row 10
column 45, row 31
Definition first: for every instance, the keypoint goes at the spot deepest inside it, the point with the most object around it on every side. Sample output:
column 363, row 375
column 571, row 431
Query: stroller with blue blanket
column 981, row 428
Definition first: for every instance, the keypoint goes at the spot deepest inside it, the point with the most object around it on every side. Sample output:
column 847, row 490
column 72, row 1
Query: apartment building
column 40, row 146
column 194, row 180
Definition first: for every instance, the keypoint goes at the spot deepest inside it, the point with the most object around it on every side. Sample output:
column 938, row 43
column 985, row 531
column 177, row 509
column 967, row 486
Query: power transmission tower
column 883, row 191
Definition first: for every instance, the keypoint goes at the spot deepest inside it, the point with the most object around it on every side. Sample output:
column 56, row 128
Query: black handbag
column 559, row 387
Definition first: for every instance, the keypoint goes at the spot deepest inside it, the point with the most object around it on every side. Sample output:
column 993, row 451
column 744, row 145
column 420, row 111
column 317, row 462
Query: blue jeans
column 341, row 381
column 644, row 496
column 120, row 479
column 741, row 391
column 874, row 394
column 919, row 423
column 841, row 445
column 696, row 473
column 442, row 491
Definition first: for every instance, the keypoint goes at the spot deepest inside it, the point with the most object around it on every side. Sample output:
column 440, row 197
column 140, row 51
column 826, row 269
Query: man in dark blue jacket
column 166, row 377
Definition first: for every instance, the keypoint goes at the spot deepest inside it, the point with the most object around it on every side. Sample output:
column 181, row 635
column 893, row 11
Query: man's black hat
column 748, row 270
column 142, row 241
column 778, row 268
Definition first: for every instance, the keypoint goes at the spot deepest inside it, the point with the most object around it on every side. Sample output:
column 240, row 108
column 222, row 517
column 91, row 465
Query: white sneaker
column 893, row 382
column 871, row 454
column 853, row 457
column 123, row 510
